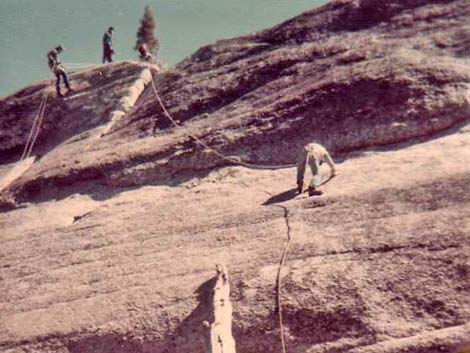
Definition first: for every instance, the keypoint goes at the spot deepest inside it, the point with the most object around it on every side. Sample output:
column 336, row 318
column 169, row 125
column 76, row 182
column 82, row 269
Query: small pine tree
column 146, row 32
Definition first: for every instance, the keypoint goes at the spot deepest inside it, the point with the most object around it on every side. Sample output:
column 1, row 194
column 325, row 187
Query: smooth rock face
column 379, row 263
column 351, row 75
column 381, row 259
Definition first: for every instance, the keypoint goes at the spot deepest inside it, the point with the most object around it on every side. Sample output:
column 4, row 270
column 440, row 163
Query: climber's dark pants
column 107, row 54
column 58, row 75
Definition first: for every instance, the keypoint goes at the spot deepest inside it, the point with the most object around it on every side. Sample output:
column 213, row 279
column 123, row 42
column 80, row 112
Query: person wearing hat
column 57, row 68
column 108, row 50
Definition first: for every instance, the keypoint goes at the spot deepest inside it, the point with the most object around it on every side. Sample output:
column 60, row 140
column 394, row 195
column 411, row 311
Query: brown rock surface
column 351, row 74
column 380, row 263
column 382, row 258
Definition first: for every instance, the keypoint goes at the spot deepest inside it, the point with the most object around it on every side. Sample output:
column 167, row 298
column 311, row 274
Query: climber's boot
column 314, row 192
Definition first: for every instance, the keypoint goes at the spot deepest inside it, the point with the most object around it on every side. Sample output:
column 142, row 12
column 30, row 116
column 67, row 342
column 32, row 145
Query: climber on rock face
column 314, row 154
column 57, row 68
column 108, row 49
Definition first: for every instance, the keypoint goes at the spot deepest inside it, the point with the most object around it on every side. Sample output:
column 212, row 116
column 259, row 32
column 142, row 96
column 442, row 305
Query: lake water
column 29, row 28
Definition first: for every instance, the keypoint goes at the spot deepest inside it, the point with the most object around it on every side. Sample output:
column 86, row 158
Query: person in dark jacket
column 57, row 68
column 108, row 50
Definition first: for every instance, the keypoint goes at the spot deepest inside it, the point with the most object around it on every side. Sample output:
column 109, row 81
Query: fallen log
column 219, row 337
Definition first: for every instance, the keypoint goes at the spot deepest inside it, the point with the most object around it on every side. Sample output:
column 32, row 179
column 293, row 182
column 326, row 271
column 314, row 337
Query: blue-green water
column 29, row 28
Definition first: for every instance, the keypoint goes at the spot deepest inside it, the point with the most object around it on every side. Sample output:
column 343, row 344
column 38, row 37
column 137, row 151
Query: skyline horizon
column 23, row 60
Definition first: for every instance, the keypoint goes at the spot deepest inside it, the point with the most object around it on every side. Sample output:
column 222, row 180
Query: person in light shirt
column 314, row 155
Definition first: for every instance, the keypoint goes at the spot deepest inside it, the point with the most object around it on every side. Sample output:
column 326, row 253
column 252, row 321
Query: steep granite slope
column 351, row 74
column 123, row 216
column 381, row 263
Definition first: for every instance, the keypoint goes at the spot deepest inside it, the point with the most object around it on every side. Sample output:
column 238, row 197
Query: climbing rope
column 206, row 146
column 252, row 166
column 80, row 64
column 279, row 279
column 33, row 134
column 72, row 67
column 33, row 127
column 41, row 118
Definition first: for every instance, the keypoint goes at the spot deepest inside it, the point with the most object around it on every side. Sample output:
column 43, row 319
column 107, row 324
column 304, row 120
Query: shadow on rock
column 282, row 197
column 186, row 338
column 109, row 343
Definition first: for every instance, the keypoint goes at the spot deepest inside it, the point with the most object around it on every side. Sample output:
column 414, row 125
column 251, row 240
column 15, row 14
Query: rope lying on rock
column 279, row 278
column 207, row 147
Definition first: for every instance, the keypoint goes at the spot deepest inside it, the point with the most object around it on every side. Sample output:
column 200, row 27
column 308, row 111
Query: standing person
column 57, row 68
column 108, row 49
column 314, row 154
